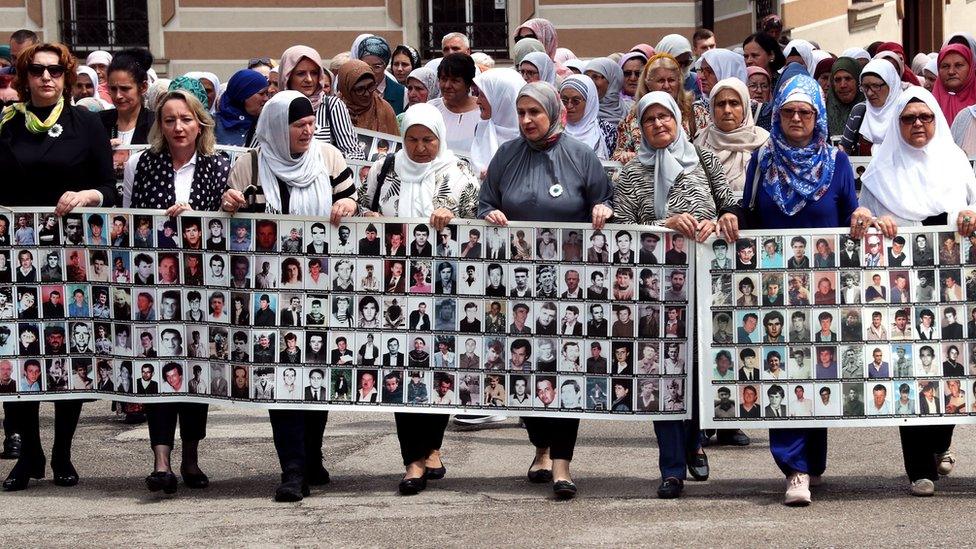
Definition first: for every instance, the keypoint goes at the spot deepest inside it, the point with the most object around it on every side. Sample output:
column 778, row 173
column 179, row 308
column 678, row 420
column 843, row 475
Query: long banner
column 382, row 314
column 813, row 328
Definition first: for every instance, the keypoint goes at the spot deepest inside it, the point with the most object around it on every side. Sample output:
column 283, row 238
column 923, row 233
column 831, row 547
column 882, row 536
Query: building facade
column 220, row 35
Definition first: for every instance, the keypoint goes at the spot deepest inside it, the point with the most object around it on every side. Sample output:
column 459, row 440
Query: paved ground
column 484, row 501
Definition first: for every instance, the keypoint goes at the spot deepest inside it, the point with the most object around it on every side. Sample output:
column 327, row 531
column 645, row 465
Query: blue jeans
column 799, row 450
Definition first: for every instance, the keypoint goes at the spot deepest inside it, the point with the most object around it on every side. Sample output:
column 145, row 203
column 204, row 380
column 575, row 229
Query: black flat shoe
column 195, row 480
column 564, row 489
column 64, row 475
column 292, row 488
column 134, row 419
column 11, row 447
column 412, row 486
column 20, row 476
column 539, row 476
column 162, row 480
column 317, row 476
column 670, row 488
column 733, row 437
column 435, row 473
column 698, row 466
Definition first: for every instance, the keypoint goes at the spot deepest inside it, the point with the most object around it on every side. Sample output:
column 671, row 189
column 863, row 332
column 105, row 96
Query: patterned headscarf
column 374, row 45
column 191, row 85
column 793, row 176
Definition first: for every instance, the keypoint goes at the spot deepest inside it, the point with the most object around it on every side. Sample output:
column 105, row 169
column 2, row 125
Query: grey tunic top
column 520, row 180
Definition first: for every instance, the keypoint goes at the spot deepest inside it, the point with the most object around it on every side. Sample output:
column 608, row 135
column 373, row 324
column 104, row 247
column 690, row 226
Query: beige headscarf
column 290, row 59
column 734, row 148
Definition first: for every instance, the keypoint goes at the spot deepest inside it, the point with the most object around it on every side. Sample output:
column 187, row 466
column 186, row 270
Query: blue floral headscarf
column 793, row 176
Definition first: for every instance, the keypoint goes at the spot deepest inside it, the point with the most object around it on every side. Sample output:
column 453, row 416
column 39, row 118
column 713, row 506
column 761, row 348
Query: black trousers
column 556, row 433
column 298, row 438
column 162, row 420
column 25, row 419
column 9, row 428
column 419, row 434
column 919, row 444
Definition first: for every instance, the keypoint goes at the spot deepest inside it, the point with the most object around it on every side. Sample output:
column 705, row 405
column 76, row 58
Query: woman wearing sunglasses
column 51, row 153
column 918, row 176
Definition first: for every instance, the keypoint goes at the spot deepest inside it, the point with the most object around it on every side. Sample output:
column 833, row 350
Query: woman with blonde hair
column 661, row 73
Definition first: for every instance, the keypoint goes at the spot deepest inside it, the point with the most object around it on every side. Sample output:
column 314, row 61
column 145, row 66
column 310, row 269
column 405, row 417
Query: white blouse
column 182, row 181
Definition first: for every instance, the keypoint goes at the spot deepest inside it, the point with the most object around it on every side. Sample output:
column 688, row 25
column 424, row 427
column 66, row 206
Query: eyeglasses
column 873, row 88
column 804, row 114
column 36, row 69
column 631, row 74
column 759, row 87
column 527, row 73
column 659, row 119
column 364, row 89
column 574, row 101
column 255, row 61
column 378, row 66
column 911, row 119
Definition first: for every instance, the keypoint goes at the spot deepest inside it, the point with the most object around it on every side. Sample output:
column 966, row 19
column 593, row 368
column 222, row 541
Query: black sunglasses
column 36, row 69
column 255, row 61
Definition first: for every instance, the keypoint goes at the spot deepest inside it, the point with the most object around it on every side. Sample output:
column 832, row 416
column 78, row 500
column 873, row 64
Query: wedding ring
column 860, row 221
column 967, row 219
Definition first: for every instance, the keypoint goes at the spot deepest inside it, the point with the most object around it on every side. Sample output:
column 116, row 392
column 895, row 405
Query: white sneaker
column 923, row 488
column 478, row 420
column 797, row 490
column 946, row 462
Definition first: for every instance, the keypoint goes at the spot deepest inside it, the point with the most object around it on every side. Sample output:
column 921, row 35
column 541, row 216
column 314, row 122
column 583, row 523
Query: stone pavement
column 485, row 500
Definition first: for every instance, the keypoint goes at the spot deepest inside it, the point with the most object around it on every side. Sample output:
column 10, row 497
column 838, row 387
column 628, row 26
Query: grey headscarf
column 546, row 95
column 611, row 109
column 677, row 158
column 428, row 78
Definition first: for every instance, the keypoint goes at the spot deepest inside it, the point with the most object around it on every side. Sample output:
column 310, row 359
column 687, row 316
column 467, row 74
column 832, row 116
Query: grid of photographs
column 820, row 329
column 559, row 320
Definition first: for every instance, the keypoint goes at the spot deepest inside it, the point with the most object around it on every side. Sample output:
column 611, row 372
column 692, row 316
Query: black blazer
column 424, row 321
column 308, row 393
column 144, row 122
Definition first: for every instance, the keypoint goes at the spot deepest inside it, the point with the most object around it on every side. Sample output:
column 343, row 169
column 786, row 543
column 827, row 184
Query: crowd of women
column 694, row 130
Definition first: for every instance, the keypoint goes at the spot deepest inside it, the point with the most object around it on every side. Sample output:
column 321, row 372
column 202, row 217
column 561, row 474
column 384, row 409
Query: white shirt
column 126, row 137
column 460, row 127
column 182, row 181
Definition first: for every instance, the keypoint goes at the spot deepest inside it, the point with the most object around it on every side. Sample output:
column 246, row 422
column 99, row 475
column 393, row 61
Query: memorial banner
column 812, row 328
column 383, row 314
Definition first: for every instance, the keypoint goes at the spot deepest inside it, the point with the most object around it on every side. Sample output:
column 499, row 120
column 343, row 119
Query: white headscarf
column 307, row 177
column 90, row 73
column 354, row 50
column 99, row 57
column 670, row 162
column 428, row 78
column 932, row 66
column 875, row 123
column 726, row 64
column 587, row 129
column 611, row 108
column 545, row 66
column 577, row 64
column 805, row 50
column 733, row 149
column 675, row 44
column 204, row 75
column 856, row 53
column 818, row 56
column 914, row 184
column 418, row 182
column 500, row 87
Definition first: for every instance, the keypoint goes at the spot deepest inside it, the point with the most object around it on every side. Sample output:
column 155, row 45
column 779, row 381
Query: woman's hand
column 71, row 200
column 178, row 208
column 496, row 217
column 966, row 223
column 115, row 142
column 626, row 156
column 440, row 218
column 684, row 223
column 861, row 219
column 887, row 226
column 343, row 208
column 728, row 226
column 601, row 213
column 705, row 229
column 233, row 200
column 370, row 213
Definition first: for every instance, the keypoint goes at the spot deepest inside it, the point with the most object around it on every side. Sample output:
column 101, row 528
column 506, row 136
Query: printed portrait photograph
column 954, row 396
column 545, row 282
column 676, row 250
column 800, row 362
column 470, row 322
column 650, row 248
column 746, row 293
column 471, row 243
column 901, row 360
column 950, row 285
column 546, row 354
column 824, row 251
column 849, row 252
column 953, row 361
column 366, row 390
column 149, row 377
column 444, row 356
column 746, row 257
column 121, row 336
column 395, row 273
column 469, row 389
column 445, row 393
column 52, row 268
column 142, row 235
column 174, row 377
column 392, row 389
column 623, row 248
column 774, row 400
column 215, row 234
column 418, row 387
column 622, row 394
column 929, row 397
column 724, row 402
column 874, row 251
column 774, row 363
column 394, row 239
column 197, row 340
column 495, row 355
column 903, row 401
column 827, row 402
column 949, row 248
column 421, row 241
column 520, row 353
column 854, row 405
column 470, row 354
column 623, row 358
column 121, row 269
column 496, row 243
column 571, row 392
column 316, row 351
column 76, row 269
column 597, row 283
column 597, row 395
column 546, row 244
column 521, row 243
column 721, row 295
column 771, row 255
column 394, row 312
column 192, row 233
column 121, row 376
column 897, row 252
column 447, row 243
column 675, row 318
column 262, row 383
column 445, row 278
column 49, row 231
column 471, row 279
column 571, row 356
column 291, row 343
column 800, row 400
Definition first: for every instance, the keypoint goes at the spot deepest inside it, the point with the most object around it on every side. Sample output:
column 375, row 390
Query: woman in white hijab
column 800, row 51
column 295, row 174
column 540, row 67
column 210, row 83
column 919, row 177
column 497, row 92
column 424, row 178
column 579, row 98
column 733, row 135
column 869, row 120
column 608, row 78
column 716, row 64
